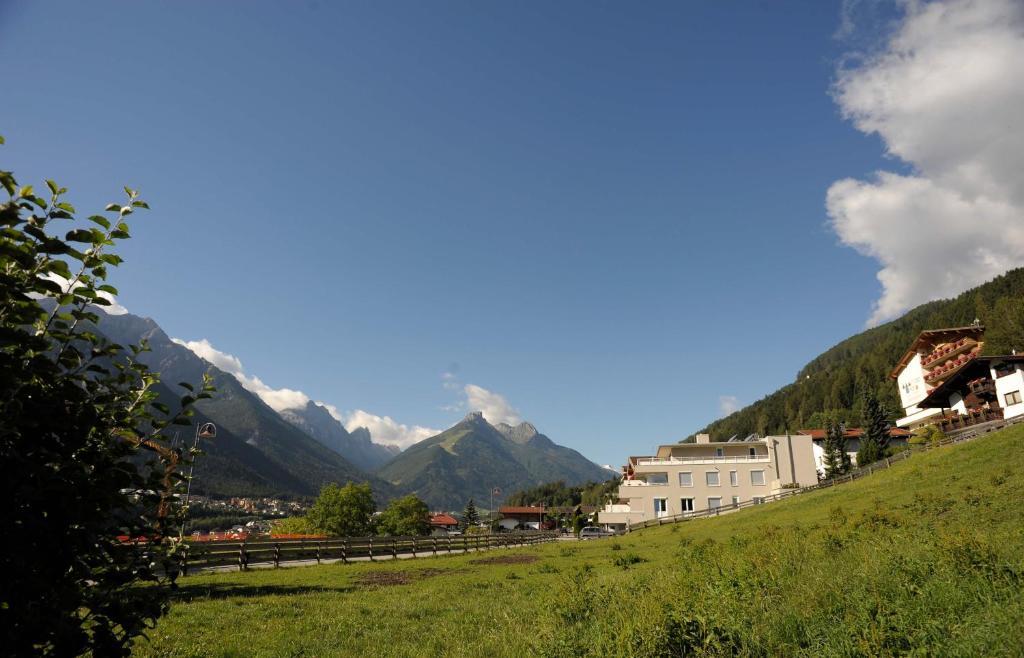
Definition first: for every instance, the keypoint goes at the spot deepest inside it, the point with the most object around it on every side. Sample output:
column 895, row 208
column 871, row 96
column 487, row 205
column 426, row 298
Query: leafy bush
column 83, row 440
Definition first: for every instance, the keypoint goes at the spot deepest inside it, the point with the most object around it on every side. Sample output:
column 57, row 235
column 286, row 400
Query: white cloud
column 495, row 407
column 277, row 399
column 728, row 404
column 113, row 309
column 944, row 94
column 385, row 429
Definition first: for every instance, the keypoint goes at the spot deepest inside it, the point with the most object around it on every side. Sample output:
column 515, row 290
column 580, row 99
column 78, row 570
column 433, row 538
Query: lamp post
column 203, row 431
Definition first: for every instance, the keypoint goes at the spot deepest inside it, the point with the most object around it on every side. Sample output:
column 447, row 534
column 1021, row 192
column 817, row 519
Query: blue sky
column 611, row 216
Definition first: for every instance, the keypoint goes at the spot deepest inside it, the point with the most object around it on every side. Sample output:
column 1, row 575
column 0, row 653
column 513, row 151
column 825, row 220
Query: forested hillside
column 832, row 384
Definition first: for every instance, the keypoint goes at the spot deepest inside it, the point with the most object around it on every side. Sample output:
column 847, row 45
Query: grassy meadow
column 926, row 558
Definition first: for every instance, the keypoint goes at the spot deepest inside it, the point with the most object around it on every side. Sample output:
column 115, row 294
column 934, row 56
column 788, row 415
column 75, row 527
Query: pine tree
column 470, row 517
column 874, row 439
column 833, row 461
column 874, row 421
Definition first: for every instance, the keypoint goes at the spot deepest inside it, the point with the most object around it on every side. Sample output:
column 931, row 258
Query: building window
column 714, row 503
column 719, row 452
column 660, row 507
column 734, row 478
column 757, row 478
column 657, row 478
column 1013, row 397
column 758, row 500
column 686, row 504
column 712, row 478
column 735, row 501
column 753, row 452
column 686, row 479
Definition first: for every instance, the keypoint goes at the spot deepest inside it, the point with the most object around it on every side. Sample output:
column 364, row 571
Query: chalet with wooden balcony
column 944, row 381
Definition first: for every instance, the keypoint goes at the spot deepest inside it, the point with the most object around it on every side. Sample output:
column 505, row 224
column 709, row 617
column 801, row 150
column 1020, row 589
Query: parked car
column 593, row 532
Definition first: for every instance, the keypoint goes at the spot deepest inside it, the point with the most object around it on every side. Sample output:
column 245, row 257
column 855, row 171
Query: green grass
column 926, row 558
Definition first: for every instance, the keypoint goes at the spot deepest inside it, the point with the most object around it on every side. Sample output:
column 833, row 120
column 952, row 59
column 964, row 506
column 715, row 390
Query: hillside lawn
column 926, row 558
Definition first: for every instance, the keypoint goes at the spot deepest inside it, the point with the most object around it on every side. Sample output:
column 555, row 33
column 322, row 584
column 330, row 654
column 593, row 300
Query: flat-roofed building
column 681, row 478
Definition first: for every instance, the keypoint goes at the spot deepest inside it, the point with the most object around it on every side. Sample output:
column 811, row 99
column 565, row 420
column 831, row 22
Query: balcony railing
column 959, row 422
column 706, row 459
column 938, row 356
column 944, row 372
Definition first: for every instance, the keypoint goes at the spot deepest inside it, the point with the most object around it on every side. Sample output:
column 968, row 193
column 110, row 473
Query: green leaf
column 79, row 235
column 53, row 186
column 1, row 139
column 64, row 205
column 107, row 288
column 101, row 220
column 113, row 207
column 140, row 204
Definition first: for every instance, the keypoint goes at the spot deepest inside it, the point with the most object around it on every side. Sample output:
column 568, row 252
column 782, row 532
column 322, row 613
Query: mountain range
column 293, row 453
column 473, row 457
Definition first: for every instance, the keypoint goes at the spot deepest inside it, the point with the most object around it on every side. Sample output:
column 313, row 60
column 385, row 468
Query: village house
column 943, row 380
column 898, row 438
column 442, row 524
column 683, row 478
column 522, row 517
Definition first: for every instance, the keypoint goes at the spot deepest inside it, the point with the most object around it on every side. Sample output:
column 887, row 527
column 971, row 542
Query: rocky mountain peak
column 474, row 417
column 521, row 433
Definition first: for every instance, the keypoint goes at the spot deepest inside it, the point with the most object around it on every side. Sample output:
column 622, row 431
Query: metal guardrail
column 962, row 436
column 269, row 551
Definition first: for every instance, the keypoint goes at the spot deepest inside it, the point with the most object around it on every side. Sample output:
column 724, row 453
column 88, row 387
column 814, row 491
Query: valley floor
column 926, row 557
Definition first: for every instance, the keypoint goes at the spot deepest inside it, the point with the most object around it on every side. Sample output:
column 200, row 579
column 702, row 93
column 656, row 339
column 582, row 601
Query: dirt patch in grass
column 506, row 559
column 389, row 578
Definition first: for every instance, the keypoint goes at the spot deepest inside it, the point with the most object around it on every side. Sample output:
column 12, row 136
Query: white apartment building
column 690, row 477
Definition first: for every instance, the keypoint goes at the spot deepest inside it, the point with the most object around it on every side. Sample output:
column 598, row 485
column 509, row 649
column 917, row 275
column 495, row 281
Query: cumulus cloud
column 728, row 404
column 277, row 399
column 495, row 407
column 385, row 429
column 944, row 95
column 113, row 309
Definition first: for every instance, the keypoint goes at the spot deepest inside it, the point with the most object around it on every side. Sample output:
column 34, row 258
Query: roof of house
column 855, row 432
column 514, row 509
column 443, row 519
column 930, row 336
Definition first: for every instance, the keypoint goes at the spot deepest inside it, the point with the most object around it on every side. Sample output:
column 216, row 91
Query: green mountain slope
column 471, row 458
column 256, row 451
column 833, row 382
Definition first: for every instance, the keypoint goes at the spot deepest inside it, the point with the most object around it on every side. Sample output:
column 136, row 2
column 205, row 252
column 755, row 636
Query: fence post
column 394, row 548
column 371, row 549
column 434, row 543
column 277, row 555
column 243, row 559
column 414, row 547
column 449, row 544
column 318, row 545
column 344, row 551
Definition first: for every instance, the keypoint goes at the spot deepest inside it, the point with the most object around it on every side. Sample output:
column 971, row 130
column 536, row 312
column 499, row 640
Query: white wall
column 912, row 386
column 1008, row 384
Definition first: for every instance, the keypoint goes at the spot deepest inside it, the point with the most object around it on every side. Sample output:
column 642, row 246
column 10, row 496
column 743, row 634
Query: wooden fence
column 270, row 551
column 964, row 435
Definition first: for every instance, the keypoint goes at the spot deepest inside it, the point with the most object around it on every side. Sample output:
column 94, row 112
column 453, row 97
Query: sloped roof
column 443, row 519
column 513, row 509
column 929, row 336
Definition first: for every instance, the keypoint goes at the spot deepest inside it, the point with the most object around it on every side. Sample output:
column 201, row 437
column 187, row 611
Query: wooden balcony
column 958, row 421
column 944, row 354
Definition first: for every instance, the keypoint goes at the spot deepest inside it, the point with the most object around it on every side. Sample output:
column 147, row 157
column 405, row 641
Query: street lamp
column 203, row 431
